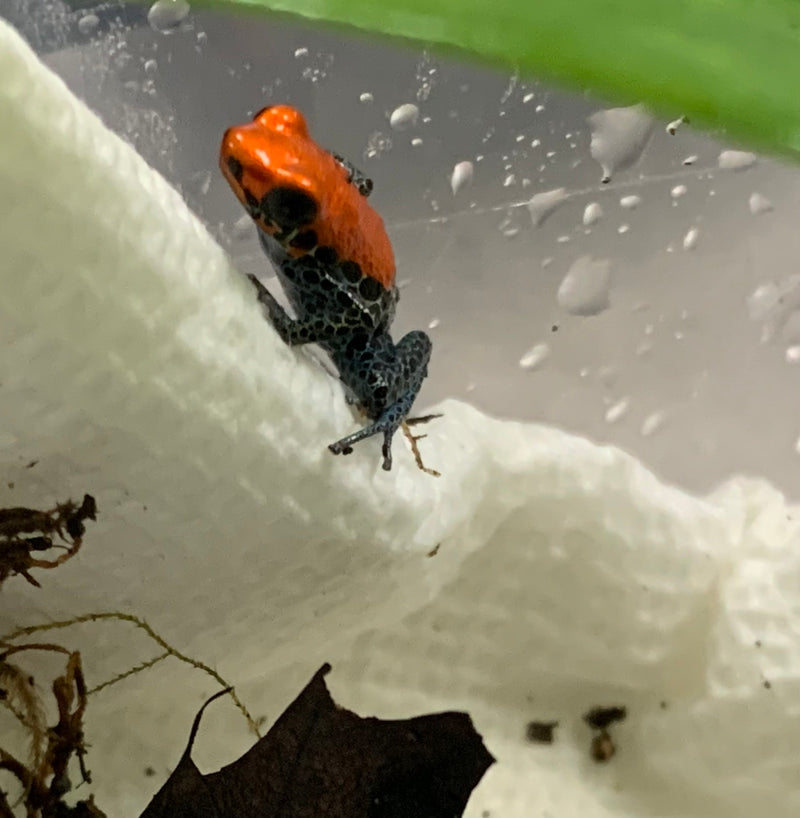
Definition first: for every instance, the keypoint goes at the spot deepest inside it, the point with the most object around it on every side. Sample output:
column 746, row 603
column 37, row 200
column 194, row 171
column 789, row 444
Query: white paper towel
column 137, row 366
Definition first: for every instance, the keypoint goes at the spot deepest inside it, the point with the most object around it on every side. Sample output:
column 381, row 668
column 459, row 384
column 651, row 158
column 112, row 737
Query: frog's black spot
column 289, row 207
column 370, row 288
column 351, row 270
column 305, row 240
column 236, row 168
column 344, row 299
column 327, row 284
column 326, row 255
column 358, row 343
column 310, row 276
column 343, row 330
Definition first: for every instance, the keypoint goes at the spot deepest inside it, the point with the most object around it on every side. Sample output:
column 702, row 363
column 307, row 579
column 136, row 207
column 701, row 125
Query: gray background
column 676, row 339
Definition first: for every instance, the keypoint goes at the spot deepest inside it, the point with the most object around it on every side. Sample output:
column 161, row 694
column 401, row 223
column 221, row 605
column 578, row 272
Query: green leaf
column 729, row 64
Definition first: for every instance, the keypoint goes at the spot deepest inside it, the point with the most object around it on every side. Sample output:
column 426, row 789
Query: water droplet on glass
column 618, row 410
column 546, row 262
column 630, row 202
column 690, row 239
column 199, row 182
column 150, row 66
column 623, row 228
column 528, row 97
column 542, row 205
column 793, row 355
column 535, row 143
column 300, row 52
column 562, row 239
column 377, row 144
column 678, row 191
column 243, row 227
column 690, row 160
column 759, row 204
column 510, row 180
column 672, row 127
column 434, row 323
column 652, row 423
column 619, row 135
column 404, row 117
column 88, row 23
column 586, row 287
column 166, row 16
column 535, row 356
column 762, row 300
column 461, row 177
column 736, row 160
column 592, row 214
column 366, row 97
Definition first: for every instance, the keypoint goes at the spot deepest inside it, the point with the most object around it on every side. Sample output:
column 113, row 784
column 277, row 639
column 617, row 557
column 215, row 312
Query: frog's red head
column 298, row 193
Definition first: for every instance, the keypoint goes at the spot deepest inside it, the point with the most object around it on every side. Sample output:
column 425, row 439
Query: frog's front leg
column 355, row 176
column 403, row 380
column 292, row 331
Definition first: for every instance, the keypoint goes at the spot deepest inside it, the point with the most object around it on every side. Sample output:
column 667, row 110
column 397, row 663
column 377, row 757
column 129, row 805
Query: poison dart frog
column 335, row 263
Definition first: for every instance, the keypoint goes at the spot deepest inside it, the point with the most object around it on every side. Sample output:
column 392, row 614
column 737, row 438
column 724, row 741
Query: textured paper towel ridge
column 136, row 366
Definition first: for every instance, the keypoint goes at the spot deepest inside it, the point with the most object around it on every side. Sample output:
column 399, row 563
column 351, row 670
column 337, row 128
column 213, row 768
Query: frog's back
column 300, row 194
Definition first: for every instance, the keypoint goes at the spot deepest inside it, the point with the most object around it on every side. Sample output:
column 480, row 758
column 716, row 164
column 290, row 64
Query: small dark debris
column 767, row 684
column 31, row 464
column 554, row 328
column 600, row 718
column 758, row 643
column 540, row 732
column 486, row 814
column 149, row 772
column 603, row 747
column 663, row 705
column 435, row 550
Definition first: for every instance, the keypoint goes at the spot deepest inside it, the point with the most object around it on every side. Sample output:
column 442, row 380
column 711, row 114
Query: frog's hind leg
column 406, row 376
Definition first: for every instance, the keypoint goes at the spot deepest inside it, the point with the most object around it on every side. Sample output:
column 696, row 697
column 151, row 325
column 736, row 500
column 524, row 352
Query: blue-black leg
column 355, row 176
column 292, row 331
column 406, row 376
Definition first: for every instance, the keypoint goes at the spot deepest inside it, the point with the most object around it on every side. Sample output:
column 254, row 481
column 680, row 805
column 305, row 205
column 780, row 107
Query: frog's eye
column 236, row 168
column 288, row 207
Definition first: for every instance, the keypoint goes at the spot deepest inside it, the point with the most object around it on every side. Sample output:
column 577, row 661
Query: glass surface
column 685, row 259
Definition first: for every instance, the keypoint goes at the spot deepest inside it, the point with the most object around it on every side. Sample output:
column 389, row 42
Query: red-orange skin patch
column 276, row 150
